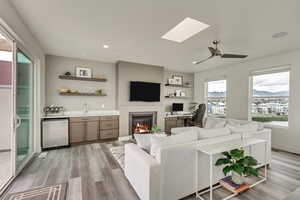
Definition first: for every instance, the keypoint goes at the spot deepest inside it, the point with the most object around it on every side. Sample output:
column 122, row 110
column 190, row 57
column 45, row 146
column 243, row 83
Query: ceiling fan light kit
column 215, row 51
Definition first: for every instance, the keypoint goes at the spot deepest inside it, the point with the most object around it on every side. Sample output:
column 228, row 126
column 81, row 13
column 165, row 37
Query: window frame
column 207, row 98
column 285, row 68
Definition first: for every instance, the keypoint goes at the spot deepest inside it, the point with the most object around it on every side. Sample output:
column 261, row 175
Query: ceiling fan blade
column 226, row 55
column 201, row 61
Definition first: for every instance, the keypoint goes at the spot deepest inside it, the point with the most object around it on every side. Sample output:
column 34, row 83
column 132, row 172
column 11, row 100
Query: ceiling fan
column 217, row 52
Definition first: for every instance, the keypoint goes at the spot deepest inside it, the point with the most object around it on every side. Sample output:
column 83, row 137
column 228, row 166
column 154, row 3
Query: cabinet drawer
column 82, row 119
column 107, row 134
column 116, row 117
column 109, row 124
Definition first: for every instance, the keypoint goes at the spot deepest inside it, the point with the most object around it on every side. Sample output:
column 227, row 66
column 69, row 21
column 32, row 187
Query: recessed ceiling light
column 280, row 35
column 184, row 30
column 105, row 46
column 2, row 37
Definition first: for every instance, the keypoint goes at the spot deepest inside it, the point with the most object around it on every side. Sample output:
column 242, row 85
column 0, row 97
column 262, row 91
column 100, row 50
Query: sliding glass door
column 23, row 108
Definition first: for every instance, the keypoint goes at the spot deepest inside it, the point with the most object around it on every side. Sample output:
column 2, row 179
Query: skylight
column 184, row 30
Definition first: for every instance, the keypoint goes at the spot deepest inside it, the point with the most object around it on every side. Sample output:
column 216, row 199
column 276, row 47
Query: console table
column 217, row 148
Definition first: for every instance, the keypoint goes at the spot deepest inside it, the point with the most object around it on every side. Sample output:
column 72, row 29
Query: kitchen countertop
column 68, row 114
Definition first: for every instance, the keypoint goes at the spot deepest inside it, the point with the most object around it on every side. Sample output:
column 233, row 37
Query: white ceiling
column 133, row 29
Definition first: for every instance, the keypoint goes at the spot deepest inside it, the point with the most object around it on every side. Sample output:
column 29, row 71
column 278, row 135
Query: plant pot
column 238, row 179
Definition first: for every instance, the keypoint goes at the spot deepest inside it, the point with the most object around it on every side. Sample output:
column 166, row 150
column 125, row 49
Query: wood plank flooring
column 93, row 174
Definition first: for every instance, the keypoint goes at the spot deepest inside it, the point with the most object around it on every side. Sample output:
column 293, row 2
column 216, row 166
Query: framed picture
column 178, row 79
column 83, row 72
column 171, row 81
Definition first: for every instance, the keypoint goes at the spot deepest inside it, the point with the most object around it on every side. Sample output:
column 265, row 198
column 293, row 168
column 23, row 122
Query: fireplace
column 141, row 122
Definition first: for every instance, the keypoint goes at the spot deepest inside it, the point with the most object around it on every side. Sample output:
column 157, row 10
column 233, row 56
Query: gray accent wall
column 127, row 72
column 56, row 65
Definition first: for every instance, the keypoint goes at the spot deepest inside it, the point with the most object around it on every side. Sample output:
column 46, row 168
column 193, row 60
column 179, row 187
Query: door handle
column 18, row 121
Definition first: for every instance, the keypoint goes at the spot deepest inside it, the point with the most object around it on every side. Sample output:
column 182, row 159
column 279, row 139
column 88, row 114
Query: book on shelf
column 228, row 184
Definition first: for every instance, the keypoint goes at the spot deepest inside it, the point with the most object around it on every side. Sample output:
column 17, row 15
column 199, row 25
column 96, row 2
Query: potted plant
column 240, row 165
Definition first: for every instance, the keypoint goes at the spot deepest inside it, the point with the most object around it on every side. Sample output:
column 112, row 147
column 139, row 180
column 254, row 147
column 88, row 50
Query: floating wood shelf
column 174, row 97
column 181, row 86
column 80, row 94
column 82, row 78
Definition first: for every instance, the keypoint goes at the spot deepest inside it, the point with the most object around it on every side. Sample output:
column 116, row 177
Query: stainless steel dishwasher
column 55, row 133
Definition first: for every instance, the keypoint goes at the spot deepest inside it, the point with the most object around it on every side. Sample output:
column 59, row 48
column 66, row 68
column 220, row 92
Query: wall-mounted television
column 144, row 91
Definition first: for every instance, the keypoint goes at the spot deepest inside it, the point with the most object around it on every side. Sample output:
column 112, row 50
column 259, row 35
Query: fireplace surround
column 141, row 122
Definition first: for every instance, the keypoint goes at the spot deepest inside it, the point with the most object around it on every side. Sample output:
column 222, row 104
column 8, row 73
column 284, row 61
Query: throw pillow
column 250, row 127
column 215, row 123
column 211, row 133
column 158, row 142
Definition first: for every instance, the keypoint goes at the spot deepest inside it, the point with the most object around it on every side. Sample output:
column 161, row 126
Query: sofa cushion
column 215, row 132
column 159, row 142
column 179, row 130
column 250, row 127
column 143, row 141
column 236, row 122
column 215, row 122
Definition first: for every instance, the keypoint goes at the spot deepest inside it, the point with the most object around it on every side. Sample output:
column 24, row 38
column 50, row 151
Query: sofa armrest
column 143, row 172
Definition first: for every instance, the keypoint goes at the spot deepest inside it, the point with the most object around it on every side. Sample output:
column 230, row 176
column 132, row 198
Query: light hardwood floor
column 93, row 174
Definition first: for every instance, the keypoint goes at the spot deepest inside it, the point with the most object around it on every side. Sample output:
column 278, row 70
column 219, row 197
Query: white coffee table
column 217, row 148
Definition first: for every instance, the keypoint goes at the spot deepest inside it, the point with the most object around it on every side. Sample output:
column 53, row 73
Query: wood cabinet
column 109, row 127
column 77, row 132
column 87, row 129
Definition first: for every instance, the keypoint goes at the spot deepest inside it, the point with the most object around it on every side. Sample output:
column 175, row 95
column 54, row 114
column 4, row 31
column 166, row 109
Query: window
column 216, row 98
column 270, row 98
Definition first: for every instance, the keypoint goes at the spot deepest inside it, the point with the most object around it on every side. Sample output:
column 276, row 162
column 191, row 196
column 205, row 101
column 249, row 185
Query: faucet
column 85, row 108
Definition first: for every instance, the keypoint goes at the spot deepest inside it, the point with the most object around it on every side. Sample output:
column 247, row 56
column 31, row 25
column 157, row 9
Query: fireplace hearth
column 141, row 122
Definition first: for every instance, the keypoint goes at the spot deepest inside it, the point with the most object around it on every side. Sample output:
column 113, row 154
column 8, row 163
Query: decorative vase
column 238, row 179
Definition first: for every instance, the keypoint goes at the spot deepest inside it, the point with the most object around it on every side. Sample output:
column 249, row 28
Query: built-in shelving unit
column 82, row 78
column 179, row 86
column 80, row 94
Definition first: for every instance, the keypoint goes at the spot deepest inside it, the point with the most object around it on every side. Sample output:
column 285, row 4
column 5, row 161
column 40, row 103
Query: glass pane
column 24, row 112
column 216, row 88
column 6, row 108
column 270, row 101
column 216, row 102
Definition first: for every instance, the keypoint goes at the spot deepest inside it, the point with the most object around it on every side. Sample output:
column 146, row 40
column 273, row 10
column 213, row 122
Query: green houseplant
column 240, row 165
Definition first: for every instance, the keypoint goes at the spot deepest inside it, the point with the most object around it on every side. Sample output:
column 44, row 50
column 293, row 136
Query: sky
column 275, row 82
column 216, row 86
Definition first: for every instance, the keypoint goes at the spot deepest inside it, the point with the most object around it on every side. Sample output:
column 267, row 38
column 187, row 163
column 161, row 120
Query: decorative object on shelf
column 64, row 90
column 182, row 94
column 82, row 78
column 171, row 81
column 240, row 165
column 81, row 94
column 83, row 72
column 178, row 79
column 178, row 93
column 98, row 91
column 187, row 84
column 67, row 74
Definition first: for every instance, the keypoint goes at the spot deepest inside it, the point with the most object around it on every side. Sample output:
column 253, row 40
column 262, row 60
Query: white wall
column 56, row 65
column 10, row 18
column 238, row 88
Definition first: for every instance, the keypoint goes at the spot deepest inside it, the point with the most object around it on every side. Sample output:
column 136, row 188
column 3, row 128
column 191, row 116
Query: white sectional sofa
column 167, row 172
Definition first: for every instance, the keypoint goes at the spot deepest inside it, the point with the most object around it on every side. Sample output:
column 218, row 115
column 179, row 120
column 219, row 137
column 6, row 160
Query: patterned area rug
column 118, row 153
column 53, row 192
